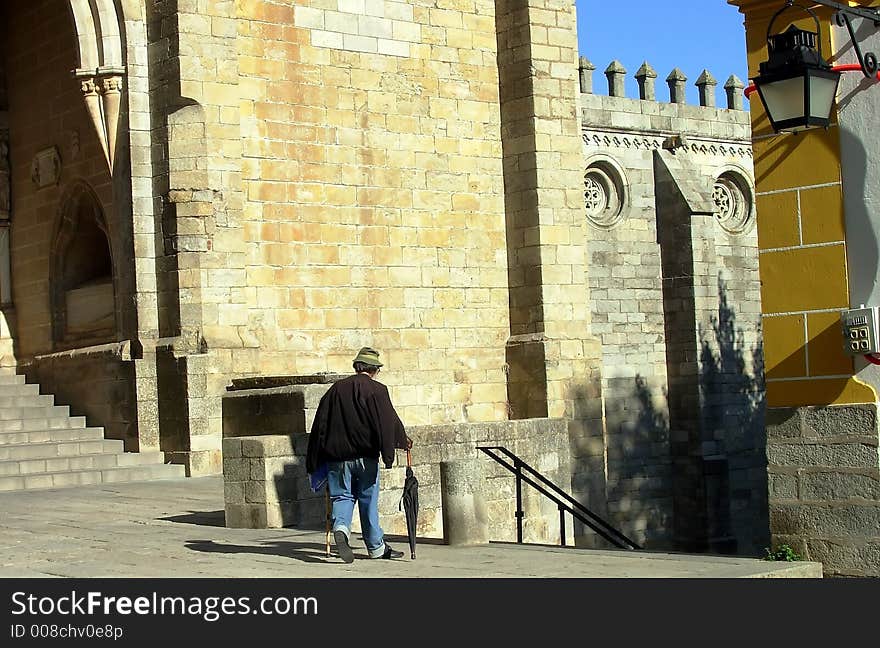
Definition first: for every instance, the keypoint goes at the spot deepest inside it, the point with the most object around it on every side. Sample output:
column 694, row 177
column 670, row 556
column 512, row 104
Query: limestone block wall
column 373, row 210
column 675, row 301
column 285, row 409
column 825, row 485
column 266, row 485
column 194, row 89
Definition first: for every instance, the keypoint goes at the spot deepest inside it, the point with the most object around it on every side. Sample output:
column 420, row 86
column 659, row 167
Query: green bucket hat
column 368, row 356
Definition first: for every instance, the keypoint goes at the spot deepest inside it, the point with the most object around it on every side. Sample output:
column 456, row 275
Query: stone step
column 11, row 379
column 51, row 411
column 19, row 390
column 55, row 449
column 91, row 477
column 33, row 400
column 94, row 461
column 36, row 424
column 58, row 435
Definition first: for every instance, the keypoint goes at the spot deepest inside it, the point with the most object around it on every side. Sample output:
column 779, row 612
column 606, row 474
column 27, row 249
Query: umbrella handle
column 409, row 458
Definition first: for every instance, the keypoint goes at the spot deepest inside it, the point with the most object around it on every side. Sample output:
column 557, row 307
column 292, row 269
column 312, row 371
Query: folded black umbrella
column 409, row 502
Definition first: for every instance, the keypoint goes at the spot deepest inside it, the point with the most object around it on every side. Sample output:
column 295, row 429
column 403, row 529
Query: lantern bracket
column 868, row 61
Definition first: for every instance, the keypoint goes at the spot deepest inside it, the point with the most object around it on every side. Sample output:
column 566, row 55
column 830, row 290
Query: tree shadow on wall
column 733, row 435
column 639, row 468
column 622, row 471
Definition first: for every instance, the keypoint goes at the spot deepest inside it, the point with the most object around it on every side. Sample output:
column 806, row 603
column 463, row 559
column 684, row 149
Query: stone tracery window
column 604, row 194
column 732, row 197
column 725, row 201
column 594, row 195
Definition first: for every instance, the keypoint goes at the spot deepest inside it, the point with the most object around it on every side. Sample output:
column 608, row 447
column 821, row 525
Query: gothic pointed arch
column 100, row 66
column 82, row 273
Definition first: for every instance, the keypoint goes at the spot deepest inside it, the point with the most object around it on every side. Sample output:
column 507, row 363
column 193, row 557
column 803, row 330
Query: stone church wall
column 374, row 207
column 675, row 301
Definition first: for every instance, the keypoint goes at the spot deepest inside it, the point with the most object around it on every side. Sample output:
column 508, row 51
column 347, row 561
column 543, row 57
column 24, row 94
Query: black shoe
column 391, row 553
column 342, row 546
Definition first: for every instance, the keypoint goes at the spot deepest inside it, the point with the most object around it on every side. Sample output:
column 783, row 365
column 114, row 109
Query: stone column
column 136, row 135
column 465, row 515
column 553, row 361
column 713, row 355
column 203, row 317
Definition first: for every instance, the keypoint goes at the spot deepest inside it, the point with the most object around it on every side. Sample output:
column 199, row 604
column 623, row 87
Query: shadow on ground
column 304, row 551
column 200, row 518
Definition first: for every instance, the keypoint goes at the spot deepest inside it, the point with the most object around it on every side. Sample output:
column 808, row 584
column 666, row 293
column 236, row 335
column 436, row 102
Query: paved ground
column 175, row 529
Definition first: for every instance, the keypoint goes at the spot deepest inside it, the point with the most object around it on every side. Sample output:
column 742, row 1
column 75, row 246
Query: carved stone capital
column 88, row 86
column 101, row 92
column 111, row 84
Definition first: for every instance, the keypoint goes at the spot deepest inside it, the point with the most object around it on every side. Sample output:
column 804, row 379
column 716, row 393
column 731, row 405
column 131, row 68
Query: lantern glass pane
column 822, row 95
column 784, row 99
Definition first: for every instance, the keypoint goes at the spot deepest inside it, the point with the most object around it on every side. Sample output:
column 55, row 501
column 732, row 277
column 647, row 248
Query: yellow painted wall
column 802, row 241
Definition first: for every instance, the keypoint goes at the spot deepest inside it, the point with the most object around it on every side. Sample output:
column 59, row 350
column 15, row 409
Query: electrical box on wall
column 860, row 330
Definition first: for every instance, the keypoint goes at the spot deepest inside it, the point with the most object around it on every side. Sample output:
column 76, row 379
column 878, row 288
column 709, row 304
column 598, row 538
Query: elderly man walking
column 354, row 426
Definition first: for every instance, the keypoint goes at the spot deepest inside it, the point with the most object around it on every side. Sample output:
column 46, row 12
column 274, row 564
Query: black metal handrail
column 564, row 502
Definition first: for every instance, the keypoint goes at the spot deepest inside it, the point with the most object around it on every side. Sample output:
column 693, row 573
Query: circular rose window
column 603, row 195
column 733, row 203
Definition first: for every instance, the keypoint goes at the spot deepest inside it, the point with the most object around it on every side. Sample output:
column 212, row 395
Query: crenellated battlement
column 646, row 77
column 670, row 124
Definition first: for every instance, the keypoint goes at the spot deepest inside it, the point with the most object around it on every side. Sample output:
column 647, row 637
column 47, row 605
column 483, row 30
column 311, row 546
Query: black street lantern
column 797, row 86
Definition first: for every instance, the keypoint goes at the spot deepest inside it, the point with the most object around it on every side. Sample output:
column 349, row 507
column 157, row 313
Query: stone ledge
column 266, row 486
column 267, row 382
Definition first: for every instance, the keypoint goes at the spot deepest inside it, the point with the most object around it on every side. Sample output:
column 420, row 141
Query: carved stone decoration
column 604, row 194
column 93, row 105
column 46, row 168
column 677, row 143
column 100, row 66
column 732, row 196
column 594, row 196
column 725, row 201
column 111, row 92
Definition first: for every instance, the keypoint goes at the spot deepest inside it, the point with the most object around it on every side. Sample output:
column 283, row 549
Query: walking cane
column 327, row 519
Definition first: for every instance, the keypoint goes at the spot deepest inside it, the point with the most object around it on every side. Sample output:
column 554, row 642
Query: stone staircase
column 42, row 446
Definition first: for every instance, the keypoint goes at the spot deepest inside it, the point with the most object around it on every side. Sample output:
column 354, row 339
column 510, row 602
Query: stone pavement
column 174, row 528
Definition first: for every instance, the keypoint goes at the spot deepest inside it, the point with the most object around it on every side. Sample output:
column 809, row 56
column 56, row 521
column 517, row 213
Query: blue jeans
column 357, row 480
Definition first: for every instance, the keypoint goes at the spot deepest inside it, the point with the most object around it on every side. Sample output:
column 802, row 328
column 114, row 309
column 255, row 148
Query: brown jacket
column 355, row 419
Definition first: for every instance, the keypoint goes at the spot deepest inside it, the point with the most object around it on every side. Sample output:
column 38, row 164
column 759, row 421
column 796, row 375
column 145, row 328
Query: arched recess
column 82, row 279
column 100, row 67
